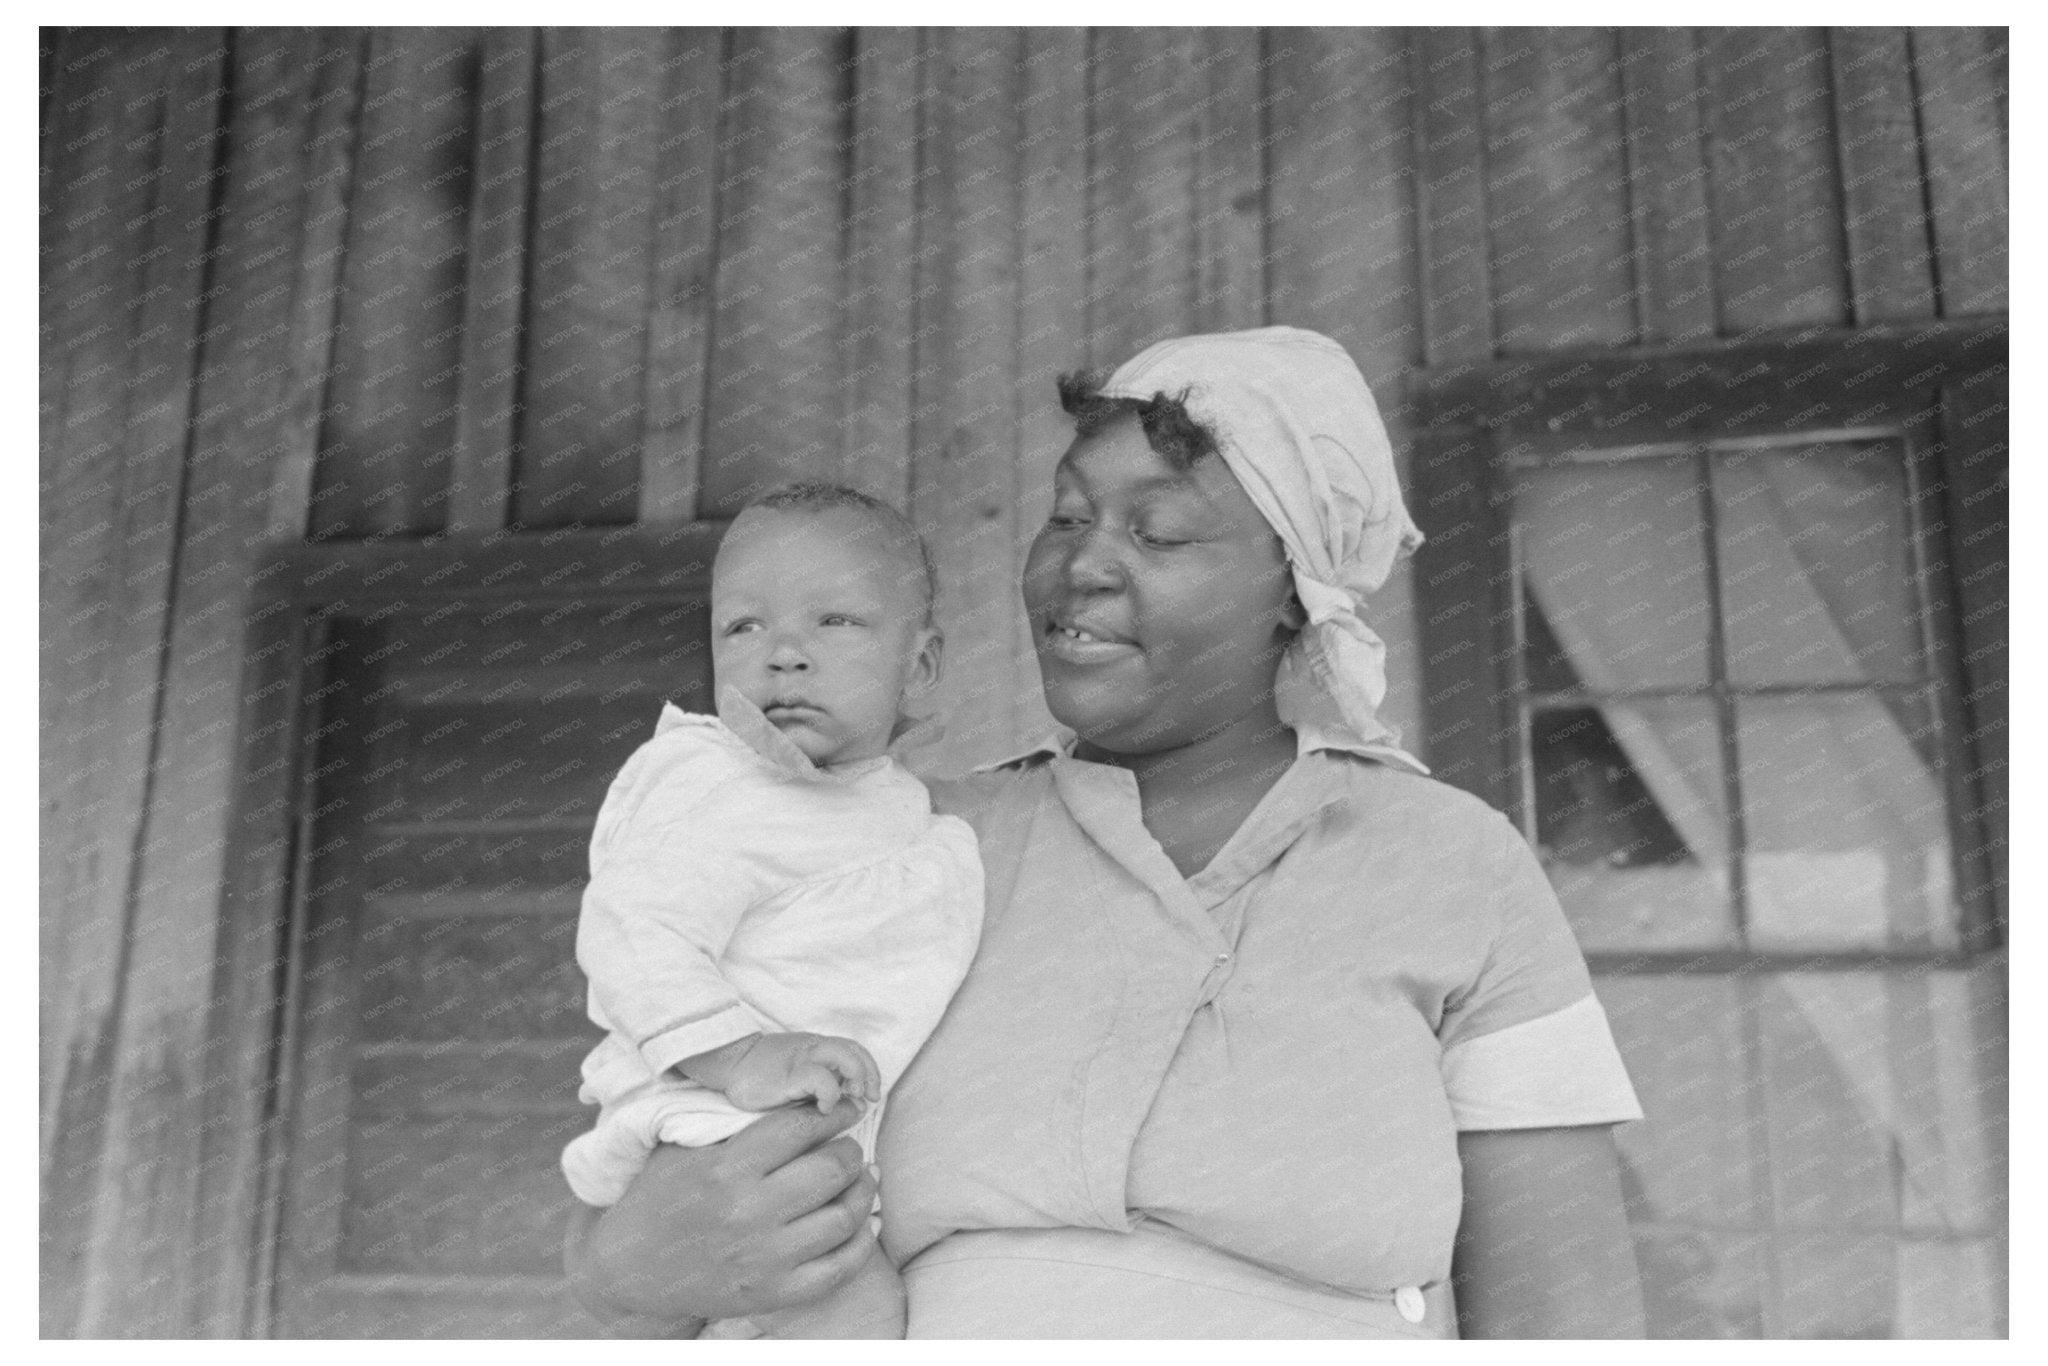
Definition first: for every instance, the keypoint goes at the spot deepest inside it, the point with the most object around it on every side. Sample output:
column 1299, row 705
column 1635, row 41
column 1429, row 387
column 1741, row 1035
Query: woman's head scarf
column 1296, row 424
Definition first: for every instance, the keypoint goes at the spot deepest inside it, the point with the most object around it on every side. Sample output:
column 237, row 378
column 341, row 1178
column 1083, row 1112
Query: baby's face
column 819, row 623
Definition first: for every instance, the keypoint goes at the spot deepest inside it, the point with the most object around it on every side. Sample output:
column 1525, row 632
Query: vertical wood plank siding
column 1457, row 298
column 1674, row 256
column 679, row 288
column 964, row 430
column 109, row 518
column 774, row 361
column 1052, row 284
column 1959, row 79
column 1557, row 190
column 584, row 387
column 349, row 284
column 879, row 338
column 390, row 420
column 136, row 1226
column 1229, row 218
column 1146, row 107
column 1890, row 263
column 1775, row 187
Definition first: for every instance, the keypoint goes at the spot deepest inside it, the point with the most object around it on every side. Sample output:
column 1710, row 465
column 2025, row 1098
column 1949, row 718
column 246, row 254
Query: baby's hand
column 764, row 1071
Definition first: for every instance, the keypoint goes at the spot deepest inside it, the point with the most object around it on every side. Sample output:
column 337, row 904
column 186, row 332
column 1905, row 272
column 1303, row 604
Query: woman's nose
column 1093, row 563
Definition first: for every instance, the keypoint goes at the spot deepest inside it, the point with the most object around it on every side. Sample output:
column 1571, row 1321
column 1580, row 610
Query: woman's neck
column 1193, row 797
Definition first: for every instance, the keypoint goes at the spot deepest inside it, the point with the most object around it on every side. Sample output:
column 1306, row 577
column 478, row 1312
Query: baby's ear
column 930, row 664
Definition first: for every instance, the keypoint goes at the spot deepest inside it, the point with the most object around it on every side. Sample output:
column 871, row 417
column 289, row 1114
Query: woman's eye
column 1159, row 538
column 1065, row 521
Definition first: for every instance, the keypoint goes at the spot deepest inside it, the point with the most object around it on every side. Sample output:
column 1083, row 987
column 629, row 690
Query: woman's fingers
column 815, row 1179
column 762, row 1220
column 781, row 1136
column 840, row 1236
column 844, row 1216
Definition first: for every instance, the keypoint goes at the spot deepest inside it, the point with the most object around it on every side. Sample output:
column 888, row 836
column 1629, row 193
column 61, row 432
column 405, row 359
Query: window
column 1727, row 713
column 1700, row 623
column 1725, row 630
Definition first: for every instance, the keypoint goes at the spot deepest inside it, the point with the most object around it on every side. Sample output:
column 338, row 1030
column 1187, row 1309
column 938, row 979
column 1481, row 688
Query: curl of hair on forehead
column 898, row 534
column 1171, row 431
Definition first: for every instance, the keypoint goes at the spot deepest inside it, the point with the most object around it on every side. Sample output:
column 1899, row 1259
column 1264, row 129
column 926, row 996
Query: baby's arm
column 763, row 1071
column 669, row 885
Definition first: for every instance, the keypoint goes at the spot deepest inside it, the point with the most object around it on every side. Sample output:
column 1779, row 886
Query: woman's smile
column 1075, row 640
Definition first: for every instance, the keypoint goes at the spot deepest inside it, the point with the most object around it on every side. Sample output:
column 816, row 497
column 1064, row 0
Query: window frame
column 1937, row 389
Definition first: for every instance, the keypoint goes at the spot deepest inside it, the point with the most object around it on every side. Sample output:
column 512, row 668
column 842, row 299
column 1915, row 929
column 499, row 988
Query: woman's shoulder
column 1394, row 800
column 975, row 796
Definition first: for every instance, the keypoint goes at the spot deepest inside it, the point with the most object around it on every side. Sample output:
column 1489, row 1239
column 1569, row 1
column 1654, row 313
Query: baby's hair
column 813, row 496
column 1169, row 428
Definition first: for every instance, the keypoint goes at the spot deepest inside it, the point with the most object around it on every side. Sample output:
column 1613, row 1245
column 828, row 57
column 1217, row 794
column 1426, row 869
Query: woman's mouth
column 1076, row 644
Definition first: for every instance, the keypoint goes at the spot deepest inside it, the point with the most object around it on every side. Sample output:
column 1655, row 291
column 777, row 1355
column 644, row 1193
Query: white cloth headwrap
column 1298, row 427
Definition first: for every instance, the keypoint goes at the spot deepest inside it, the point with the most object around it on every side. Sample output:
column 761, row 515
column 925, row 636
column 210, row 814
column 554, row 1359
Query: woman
column 1269, row 1034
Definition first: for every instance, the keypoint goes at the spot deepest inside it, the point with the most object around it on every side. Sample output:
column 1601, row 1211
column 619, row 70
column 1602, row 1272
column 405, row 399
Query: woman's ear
column 1292, row 614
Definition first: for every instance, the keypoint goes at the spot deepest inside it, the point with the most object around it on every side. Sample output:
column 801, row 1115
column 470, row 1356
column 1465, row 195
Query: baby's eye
column 741, row 626
column 838, row 619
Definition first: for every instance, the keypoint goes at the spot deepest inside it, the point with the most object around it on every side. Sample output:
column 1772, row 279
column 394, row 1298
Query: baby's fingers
column 855, row 1066
column 820, row 1083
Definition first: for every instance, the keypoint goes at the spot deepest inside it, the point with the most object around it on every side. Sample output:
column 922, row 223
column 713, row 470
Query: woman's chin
column 1109, row 719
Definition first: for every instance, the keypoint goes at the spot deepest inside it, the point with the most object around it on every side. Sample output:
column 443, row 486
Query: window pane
column 1632, row 825
column 1613, row 556
column 1846, row 823
column 1816, row 566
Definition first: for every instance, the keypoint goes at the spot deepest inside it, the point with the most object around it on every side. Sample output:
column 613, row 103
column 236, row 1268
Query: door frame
column 298, row 591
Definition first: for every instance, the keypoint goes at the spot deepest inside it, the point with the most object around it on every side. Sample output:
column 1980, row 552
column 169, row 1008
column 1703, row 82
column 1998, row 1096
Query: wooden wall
column 345, row 284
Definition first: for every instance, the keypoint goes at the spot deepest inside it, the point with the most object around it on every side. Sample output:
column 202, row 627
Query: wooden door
column 434, row 1012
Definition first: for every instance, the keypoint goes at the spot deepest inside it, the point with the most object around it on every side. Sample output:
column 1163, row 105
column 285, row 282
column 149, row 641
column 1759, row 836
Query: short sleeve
column 1526, row 1045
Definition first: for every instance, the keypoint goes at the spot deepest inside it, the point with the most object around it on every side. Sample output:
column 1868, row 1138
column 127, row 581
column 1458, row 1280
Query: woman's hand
column 1544, row 1249
column 776, row 1215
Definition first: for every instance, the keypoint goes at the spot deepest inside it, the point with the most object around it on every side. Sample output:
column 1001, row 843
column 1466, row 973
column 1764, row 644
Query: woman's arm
column 776, row 1215
column 1544, row 1250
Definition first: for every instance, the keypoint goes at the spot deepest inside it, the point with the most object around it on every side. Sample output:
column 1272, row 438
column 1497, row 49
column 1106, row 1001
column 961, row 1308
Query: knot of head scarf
column 1296, row 424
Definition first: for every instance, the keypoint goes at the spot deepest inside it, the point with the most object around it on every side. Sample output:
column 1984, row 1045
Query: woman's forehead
column 1121, row 455
column 1121, row 461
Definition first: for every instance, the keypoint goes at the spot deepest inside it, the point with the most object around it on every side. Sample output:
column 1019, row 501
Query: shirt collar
column 1058, row 743
column 752, row 728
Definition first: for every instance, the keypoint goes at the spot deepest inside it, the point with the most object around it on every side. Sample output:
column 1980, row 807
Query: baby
column 774, row 913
